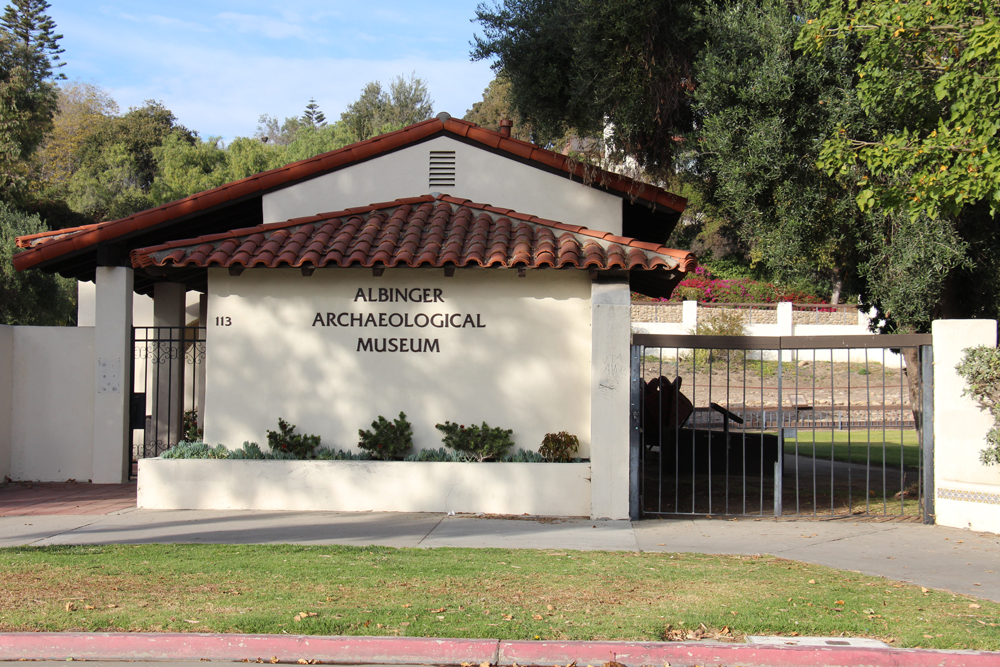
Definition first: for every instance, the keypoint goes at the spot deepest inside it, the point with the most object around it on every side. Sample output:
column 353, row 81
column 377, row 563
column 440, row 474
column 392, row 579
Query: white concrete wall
column 481, row 176
column 527, row 368
column 548, row 489
column 6, row 396
column 53, row 403
column 967, row 493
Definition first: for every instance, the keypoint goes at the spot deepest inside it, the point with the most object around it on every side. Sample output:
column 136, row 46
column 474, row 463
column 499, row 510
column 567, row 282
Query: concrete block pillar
column 786, row 326
column 113, row 356
column 168, row 366
column 966, row 492
column 609, row 399
column 689, row 316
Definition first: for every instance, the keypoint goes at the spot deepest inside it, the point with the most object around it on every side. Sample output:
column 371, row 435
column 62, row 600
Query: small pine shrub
column 388, row 439
column 559, row 447
column 287, row 441
column 480, row 442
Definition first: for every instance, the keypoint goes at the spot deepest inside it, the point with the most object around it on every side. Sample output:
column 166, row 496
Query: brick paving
column 60, row 498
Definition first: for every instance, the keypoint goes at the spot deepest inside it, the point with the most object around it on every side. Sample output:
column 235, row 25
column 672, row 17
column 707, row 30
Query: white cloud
column 269, row 27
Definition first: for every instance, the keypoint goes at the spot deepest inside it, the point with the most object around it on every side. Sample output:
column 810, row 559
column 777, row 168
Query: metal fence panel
column 782, row 426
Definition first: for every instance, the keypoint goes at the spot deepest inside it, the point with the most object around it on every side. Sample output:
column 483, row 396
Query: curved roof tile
column 420, row 231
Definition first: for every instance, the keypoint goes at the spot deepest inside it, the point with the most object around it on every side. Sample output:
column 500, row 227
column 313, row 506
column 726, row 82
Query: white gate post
column 113, row 356
column 609, row 399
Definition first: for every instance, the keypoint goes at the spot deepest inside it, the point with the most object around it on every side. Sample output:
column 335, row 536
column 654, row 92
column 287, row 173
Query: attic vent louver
column 442, row 169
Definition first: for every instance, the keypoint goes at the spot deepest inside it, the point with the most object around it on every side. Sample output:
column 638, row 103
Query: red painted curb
column 422, row 650
column 678, row 654
column 287, row 648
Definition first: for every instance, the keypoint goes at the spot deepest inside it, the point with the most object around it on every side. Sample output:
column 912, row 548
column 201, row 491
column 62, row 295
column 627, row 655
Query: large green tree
column 29, row 51
column 762, row 109
column 30, row 297
column 117, row 163
column 931, row 176
column 378, row 110
column 594, row 66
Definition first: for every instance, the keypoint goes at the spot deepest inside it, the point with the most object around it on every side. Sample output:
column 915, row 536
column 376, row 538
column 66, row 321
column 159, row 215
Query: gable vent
column 442, row 169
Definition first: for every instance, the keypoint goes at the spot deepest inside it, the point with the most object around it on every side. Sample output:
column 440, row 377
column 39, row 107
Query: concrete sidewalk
column 936, row 557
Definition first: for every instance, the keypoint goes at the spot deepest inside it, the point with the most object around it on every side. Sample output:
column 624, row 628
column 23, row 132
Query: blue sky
column 219, row 64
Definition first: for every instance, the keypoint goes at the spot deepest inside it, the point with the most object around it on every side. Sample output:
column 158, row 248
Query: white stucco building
column 444, row 270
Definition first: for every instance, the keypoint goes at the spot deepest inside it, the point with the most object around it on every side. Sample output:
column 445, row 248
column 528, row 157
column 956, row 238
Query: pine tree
column 313, row 116
column 33, row 32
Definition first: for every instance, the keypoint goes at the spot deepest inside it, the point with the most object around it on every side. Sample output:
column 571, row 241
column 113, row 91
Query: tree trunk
column 838, row 285
column 911, row 356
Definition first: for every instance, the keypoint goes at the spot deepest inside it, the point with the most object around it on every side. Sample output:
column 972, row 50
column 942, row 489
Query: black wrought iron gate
column 820, row 426
column 168, row 388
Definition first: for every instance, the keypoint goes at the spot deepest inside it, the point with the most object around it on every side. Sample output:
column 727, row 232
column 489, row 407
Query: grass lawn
column 523, row 594
column 862, row 443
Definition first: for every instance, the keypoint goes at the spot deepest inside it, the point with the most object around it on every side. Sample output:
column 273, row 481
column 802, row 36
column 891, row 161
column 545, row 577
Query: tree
column 118, row 163
column 930, row 176
column 83, row 109
column 760, row 107
column 378, row 111
column 312, row 116
column 271, row 131
column 30, row 297
column 593, row 65
column 497, row 105
column 28, row 49
column 934, row 66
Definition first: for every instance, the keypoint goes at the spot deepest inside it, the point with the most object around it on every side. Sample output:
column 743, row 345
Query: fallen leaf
column 112, row 606
column 839, row 602
column 89, row 606
column 274, row 660
column 812, row 581
column 923, row 590
column 928, row 636
column 302, row 661
column 191, row 621
column 549, row 607
column 973, row 606
column 437, row 611
column 508, row 617
column 70, row 607
column 537, row 617
column 405, row 623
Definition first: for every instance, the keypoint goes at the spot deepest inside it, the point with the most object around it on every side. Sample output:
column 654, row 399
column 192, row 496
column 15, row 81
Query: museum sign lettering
column 394, row 320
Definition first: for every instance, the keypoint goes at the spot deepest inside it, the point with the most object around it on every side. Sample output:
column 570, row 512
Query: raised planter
column 544, row 489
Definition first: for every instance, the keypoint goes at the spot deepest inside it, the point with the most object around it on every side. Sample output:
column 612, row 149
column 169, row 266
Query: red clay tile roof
column 419, row 231
column 51, row 245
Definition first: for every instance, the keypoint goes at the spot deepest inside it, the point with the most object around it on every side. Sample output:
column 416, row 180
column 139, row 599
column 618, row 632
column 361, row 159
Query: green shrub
column 250, row 450
column 195, row 450
column 438, row 455
column 561, row 446
column 480, row 442
column 387, row 440
column 341, row 455
column 189, row 427
column 981, row 369
column 719, row 322
column 524, row 456
column 286, row 440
